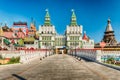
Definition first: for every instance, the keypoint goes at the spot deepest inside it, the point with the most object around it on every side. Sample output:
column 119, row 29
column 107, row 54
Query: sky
column 91, row 14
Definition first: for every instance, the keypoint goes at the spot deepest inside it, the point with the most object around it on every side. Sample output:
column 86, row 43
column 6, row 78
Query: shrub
column 14, row 60
column 1, row 57
column 110, row 60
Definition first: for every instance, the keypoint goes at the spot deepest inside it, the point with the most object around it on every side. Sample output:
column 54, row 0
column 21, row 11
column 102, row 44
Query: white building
column 72, row 39
column 74, row 33
column 47, row 33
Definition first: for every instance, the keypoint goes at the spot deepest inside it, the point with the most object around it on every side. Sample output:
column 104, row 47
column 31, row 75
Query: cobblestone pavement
column 62, row 67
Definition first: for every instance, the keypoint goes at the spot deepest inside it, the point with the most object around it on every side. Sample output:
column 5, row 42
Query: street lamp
column 53, row 50
column 49, row 50
column 46, row 49
column 75, row 49
column 71, row 50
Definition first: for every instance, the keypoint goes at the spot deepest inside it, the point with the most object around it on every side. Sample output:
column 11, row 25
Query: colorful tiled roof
column 29, row 39
column 12, row 35
column 6, row 41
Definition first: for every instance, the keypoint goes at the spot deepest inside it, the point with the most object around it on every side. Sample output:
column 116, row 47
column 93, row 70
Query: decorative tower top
column 47, row 18
column 32, row 21
column 109, row 27
column 1, row 30
column 73, row 19
column 109, row 37
column 32, row 25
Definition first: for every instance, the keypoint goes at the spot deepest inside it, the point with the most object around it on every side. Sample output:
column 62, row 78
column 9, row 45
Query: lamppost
column 75, row 49
column 71, row 50
column 53, row 50
column 49, row 50
column 46, row 49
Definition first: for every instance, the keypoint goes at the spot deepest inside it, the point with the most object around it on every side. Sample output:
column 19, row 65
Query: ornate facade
column 74, row 33
column 47, row 33
column 72, row 39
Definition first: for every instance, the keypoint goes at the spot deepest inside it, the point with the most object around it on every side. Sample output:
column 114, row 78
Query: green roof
column 16, row 44
column 47, row 14
column 73, row 14
column 47, row 18
column 73, row 19
column 6, row 41
column 29, row 39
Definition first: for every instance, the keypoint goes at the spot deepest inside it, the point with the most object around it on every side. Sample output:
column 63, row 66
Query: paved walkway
column 60, row 67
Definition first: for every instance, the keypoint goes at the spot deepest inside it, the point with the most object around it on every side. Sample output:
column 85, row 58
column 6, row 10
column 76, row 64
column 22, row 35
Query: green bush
column 1, row 57
column 14, row 60
column 110, row 59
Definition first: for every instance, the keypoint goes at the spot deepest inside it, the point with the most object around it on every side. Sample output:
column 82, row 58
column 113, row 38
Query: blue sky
column 92, row 14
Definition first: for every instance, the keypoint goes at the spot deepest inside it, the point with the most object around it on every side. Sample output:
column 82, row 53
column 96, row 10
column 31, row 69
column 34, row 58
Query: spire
column 47, row 18
column 1, row 30
column 109, row 27
column 32, row 21
column 32, row 26
column 73, row 19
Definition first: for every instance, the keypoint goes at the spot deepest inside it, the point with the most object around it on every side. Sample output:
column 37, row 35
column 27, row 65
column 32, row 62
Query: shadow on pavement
column 19, row 77
column 87, row 60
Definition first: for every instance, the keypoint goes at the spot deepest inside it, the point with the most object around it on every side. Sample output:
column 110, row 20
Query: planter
column 4, row 61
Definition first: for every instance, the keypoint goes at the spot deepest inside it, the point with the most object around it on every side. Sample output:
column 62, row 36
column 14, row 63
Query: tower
column 47, row 33
column 109, row 37
column 73, row 32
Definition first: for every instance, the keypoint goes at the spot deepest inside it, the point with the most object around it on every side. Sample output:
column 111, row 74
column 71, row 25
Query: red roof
column 21, row 35
column 85, row 37
column 12, row 35
column 9, row 34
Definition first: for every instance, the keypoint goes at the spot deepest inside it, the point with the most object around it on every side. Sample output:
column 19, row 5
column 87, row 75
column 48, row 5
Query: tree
column 21, row 42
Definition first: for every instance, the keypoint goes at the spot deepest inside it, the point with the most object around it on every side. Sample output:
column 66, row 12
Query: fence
column 96, row 54
column 26, row 55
